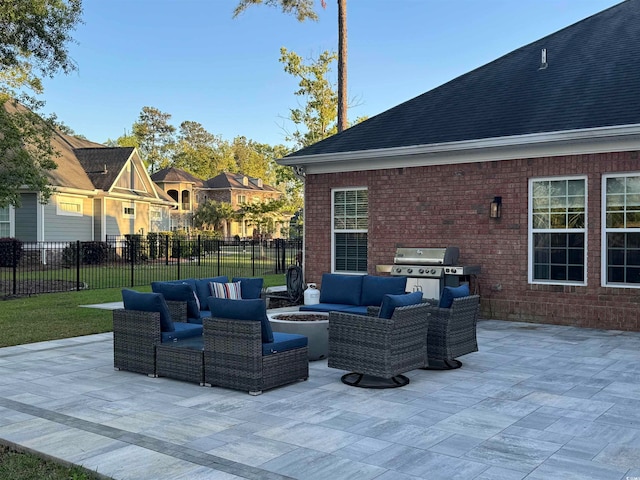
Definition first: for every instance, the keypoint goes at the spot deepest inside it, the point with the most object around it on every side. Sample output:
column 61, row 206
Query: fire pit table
column 313, row 325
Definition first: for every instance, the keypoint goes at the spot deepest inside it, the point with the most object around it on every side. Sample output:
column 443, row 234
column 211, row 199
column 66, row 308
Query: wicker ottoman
column 182, row 360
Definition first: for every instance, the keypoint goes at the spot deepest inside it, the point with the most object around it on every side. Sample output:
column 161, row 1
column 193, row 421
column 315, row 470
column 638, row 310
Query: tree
column 34, row 37
column 319, row 112
column 263, row 215
column 200, row 152
column 155, row 137
column 303, row 9
column 125, row 140
column 212, row 214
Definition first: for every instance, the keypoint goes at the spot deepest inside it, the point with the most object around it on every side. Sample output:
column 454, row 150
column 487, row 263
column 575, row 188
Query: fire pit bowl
column 313, row 325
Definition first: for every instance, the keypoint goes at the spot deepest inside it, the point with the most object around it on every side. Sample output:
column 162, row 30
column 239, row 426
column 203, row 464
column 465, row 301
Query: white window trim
column 340, row 230
column 63, row 199
column 11, row 221
column 128, row 205
column 604, row 230
column 556, row 230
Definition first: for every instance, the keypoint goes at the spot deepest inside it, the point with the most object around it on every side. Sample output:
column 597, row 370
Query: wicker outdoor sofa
column 233, row 352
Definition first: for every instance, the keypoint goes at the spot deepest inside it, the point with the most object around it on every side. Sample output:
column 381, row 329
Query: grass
column 52, row 316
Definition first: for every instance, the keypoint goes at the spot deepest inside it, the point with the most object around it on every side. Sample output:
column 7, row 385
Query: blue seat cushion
column 179, row 292
column 344, row 289
column 375, row 288
column 250, row 310
column 390, row 302
column 182, row 331
column 149, row 302
column 283, row 342
column 249, row 287
column 449, row 293
column 359, row 310
column 198, row 320
column 202, row 289
column 325, row 307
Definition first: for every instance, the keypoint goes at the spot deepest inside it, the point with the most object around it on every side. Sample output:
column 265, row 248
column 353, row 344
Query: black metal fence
column 135, row 260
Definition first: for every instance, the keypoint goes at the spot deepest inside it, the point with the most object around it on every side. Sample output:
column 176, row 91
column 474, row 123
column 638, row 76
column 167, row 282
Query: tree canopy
column 34, row 44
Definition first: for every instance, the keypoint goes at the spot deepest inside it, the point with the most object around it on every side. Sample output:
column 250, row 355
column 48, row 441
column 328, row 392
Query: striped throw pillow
column 225, row 290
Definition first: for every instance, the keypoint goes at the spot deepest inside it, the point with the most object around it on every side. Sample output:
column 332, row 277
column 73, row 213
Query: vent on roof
column 543, row 59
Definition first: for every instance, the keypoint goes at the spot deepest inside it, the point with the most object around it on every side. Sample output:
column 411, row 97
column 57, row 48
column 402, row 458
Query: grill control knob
column 409, row 270
column 421, row 271
column 433, row 271
column 399, row 270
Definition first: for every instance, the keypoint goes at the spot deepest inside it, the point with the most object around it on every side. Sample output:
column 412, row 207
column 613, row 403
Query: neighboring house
column 232, row 188
column 553, row 128
column 99, row 192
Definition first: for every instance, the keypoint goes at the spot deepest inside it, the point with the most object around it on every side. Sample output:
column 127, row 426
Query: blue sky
column 190, row 59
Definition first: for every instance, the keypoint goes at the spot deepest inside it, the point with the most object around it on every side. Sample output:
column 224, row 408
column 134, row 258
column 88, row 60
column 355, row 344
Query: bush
column 91, row 253
column 9, row 246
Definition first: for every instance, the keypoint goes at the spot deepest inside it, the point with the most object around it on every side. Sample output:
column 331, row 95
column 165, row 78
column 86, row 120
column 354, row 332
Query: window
column 129, row 211
column 621, row 223
column 155, row 214
column 557, row 233
column 69, row 206
column 350, row 214
column 5, row 222
column 242, row 199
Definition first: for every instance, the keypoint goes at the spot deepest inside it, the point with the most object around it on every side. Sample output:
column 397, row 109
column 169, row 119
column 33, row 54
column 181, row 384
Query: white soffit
column 573, row 142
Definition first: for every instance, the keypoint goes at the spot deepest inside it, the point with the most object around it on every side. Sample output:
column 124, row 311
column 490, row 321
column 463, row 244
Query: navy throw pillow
column 252, row 309
column 390, row 302
column 449, row 293
column 178, row 292
column 149, row 302
column 250, row 287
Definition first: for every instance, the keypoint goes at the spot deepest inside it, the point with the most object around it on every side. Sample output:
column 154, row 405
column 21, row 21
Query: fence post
column 132, row 259
column 218, row 249
column 15, row 266
column 253, row 258
column 179, row 254
column 199, row 250
column 77, row 264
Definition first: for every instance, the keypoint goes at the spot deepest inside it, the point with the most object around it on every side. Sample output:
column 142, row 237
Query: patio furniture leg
column 374, row 382
column 444, row 364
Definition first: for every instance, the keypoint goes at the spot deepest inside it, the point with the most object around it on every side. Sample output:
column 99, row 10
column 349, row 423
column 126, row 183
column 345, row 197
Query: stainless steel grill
column 429, row 270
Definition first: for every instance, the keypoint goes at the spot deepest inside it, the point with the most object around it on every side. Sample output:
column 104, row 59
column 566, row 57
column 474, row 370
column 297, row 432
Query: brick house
column 552, row 128
column 232, row 188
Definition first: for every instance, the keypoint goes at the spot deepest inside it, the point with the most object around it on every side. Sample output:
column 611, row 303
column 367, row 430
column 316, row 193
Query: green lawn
column 52, row 316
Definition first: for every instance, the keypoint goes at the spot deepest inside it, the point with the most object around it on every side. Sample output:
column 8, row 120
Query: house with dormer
column 529, row 164
column 99, row 192
column 233, row 188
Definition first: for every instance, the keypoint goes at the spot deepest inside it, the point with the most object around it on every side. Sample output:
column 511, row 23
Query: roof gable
column 592, row 79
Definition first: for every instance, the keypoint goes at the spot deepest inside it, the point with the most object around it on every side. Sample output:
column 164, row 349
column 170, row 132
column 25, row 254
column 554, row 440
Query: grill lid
column 427, row 256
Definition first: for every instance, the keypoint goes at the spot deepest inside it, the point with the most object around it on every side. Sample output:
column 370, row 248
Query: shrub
column 10, row 252
column 91, row 253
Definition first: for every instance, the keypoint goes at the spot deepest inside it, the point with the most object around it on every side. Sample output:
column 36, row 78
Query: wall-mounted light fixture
column 496, row 207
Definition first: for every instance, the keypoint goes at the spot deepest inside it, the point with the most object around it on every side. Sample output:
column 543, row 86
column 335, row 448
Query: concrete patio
column 537, row 402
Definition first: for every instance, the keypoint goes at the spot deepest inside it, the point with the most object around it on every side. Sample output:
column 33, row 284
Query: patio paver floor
column 536, row 402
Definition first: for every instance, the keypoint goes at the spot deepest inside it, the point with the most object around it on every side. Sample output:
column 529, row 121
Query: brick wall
column 449, row 205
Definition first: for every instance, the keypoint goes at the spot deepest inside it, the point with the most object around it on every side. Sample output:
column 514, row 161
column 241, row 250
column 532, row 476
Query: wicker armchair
column 452, row 332
column 233, row 358
column 378, row 350
column 135, row 336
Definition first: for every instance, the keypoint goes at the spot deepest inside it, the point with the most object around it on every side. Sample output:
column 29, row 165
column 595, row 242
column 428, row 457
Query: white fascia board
column 76, row 191
column 553, row 144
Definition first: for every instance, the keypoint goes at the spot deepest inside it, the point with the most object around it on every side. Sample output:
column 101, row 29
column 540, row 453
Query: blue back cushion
column 178, row 292
column 149, row 302
column 375, row 288
column 344, row 289
column 390, row 302
column 449, row 293
column 249, row 287
column 202, row 289
column 252, row 309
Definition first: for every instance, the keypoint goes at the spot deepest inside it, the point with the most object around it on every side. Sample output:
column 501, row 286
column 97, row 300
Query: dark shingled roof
column 103, row 165
column 172, row 174
column 234, row 180
column 592, row 79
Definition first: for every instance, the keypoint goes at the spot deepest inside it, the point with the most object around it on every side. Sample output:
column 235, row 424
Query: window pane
column 4, row 214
